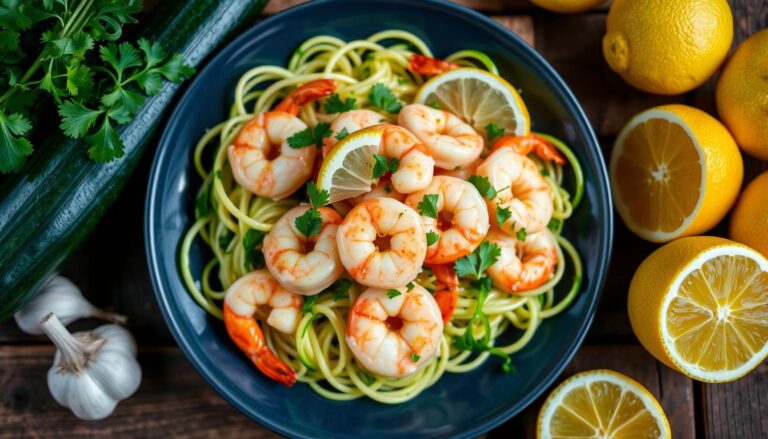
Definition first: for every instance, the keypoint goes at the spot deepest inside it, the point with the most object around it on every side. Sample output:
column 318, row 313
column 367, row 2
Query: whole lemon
column 742, row 95
column 667, row 46
column 749, row 219
column 568, row 6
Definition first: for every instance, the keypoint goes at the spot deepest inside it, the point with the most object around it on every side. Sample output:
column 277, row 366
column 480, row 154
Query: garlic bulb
column 93, row 370
column 63, row 298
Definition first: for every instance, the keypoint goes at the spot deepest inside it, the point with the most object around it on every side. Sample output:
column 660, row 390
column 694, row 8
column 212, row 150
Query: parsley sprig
column 309, row 223
column 95, row 83
column 310, row 136
column 432, row 237
column 334, row 104
column 493, row 132
column 382, row 98
column 428, row 205
column 382, row 165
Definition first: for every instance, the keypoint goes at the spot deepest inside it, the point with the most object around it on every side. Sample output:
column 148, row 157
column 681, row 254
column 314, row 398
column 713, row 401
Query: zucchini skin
column 49, row 208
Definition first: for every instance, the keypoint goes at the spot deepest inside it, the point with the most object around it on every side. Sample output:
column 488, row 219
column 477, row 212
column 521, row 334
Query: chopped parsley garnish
column 435, row 105
column 342, row 134
column 382, row 165
column 432, row 237
column 555, row 225
column 428, row 205
column 410, row 286
column 475, row 263
column 339, row 289
column 415, row 357
column 483, row 186
column 309, row 302
column 521, row 234
column 502, row 214
column 309, row 223
column 334, row 104
column 381, row 97
column 310, row 136
column 393, row 293
column 493, row 132
column 225, row 239
column 254, row 258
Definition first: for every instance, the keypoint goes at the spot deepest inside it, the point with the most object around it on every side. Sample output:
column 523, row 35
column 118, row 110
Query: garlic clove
column 63, row 298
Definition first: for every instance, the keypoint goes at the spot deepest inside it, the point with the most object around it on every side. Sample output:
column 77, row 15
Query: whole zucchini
column 52, row 205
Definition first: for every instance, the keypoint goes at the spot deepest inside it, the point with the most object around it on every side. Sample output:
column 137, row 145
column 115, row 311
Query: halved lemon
column 700, row 305
column 675, row 171
column 601, row 404
column 347, row 169
column 479, row 98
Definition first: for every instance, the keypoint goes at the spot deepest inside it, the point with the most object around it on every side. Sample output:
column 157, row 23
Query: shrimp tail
column 247, row 335
column 425, row 65
column 524, row 145
column 447, row 292
column 306, row 93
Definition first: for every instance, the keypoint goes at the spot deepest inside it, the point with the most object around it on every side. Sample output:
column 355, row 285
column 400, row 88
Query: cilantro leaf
column 79, row 80
column 391, row 293
column 483, row 185
column 317, row 197
column 339, row 289
column 310, row 136
column 493, row 132
column 14, row 148
column 308, row 223
column 334, row 104
column 321, row 131
column 521, row 234
column 432, row 237
column 342, row 134
column 309, row 302
column 105, row 145
column 252, row 238
column 475, row 263
column 382, row 165
column 381, row 97
column 502, row 214
column 428, row 205
column 254, row 257
column 77, row 119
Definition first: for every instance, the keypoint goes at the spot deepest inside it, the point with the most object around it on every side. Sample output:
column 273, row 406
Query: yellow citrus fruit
column 742, row 95
column 749, row 219
column 675, row 171
column 601, row 404
column 479, row 98
column 346, row 171
column 568, row 6
column 667, row 46
column 700, row 305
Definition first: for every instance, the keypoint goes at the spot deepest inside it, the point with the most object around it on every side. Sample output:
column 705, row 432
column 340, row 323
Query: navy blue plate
column 463, row 405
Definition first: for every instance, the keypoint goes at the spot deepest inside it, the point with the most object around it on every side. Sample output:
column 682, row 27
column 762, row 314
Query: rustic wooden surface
column 174, row 401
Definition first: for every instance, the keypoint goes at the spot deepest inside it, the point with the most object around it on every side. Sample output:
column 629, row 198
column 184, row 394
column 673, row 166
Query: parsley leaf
column 77, row 119
column 309, row 223
column 105, row 144
column 435, row 105
column 393, row 293
column 317, row 197
column 309, row 136
column 521, row 234
column 342, row 134
column 381, row 97
column 502, row 214
column 225, row 239
column 334, row 104
column 415, row 357
column 382, row 165
column 254, row 257
column 493, row 132
column 555, row 225
column 432, row 237
column 409, row 286
column 428, row 205
column 475, row 263
column 14, row 148
column 483, row 185
column 309, row 302
column 339, row 289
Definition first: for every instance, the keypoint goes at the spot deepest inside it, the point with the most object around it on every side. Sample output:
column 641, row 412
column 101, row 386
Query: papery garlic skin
column 93, row 370
column 63, row 298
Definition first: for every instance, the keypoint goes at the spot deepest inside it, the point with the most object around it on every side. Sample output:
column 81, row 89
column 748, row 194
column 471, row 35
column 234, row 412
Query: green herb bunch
column 65, row 53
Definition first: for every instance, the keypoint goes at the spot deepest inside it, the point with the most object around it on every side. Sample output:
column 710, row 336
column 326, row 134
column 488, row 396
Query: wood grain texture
column 172, row 401
column 738, row 409
column 487, row 6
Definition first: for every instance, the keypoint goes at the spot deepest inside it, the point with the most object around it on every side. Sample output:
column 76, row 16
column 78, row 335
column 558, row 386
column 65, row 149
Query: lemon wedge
column 348, row 167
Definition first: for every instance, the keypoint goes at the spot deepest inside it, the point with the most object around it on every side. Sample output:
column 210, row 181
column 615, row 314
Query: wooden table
column 173, row 399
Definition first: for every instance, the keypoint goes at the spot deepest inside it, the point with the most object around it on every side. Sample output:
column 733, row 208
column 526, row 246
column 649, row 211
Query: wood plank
column 522, row 25
column 738, row 409
column 673, row 390
column 487, row 6
column 172, row 401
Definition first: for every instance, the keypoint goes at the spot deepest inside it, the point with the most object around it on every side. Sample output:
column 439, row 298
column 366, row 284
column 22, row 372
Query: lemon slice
column 700, row 305
column 675, row 172
column 347, row 168
column 601, row 404
column 479, row 98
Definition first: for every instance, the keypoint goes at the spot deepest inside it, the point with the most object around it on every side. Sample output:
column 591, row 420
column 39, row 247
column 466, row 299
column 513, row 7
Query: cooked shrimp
column 523, row 265
column 451, row 141
column 522, row 190
column 394, row 335
column 447, row 292
column 425, row 65
column 243, row 297
column 462, row 218
column 304, row 265
column 260, row 157
column 382, row 243
column 416, row 167
column 351, row 121
column 461, row 172
column 531, row 143
column 383, row 188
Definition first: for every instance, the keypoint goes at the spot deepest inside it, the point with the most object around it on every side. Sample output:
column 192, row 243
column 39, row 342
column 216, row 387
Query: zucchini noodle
column 231, row 221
